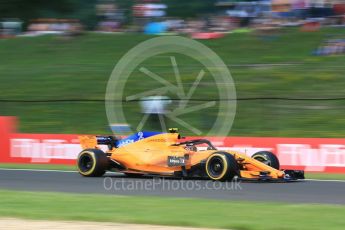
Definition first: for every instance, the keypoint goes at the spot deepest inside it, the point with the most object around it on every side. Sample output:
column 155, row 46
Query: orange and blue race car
column 167, row 154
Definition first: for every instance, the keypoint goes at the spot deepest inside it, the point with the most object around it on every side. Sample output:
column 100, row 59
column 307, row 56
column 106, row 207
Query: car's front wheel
column 221, row 166
column 267, row 158
column 92, row 163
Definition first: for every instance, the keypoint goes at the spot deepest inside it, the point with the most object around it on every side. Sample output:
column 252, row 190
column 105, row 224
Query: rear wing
column 89, row 141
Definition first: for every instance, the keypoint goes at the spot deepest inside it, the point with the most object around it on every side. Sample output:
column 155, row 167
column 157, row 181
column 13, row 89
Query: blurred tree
column 84, row 10
column 29, row 9
column 190, row 8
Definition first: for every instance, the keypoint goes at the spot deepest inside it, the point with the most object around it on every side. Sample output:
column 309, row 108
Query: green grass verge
column 321, row 176
column 51, row 68
column 325, row 176
column 171, row 211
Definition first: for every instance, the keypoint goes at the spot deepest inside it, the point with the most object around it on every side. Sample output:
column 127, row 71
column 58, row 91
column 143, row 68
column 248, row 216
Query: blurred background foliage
column 85, row 11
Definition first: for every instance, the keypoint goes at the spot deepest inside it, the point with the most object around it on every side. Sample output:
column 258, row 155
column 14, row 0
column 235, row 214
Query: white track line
column 38, row 170
column 47, row 170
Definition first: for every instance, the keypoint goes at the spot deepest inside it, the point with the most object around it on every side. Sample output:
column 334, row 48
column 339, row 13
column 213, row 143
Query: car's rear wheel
column 221, row 166
column 92, row 163
column 267, row 158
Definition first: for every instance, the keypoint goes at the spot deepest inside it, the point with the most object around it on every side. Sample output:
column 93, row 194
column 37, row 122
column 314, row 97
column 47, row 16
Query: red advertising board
column 44, row 148
column 7, row 126
column 310, row 154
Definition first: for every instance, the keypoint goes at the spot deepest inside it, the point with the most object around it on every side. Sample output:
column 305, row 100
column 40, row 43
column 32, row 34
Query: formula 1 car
column 166, row 154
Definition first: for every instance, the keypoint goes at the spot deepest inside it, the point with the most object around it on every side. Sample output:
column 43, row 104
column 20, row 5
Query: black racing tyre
column 267, row 158
column 221, row 166
column 92, row 163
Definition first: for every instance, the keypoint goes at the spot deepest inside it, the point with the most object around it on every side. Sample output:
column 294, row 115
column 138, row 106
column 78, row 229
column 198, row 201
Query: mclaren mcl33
column 167, row 154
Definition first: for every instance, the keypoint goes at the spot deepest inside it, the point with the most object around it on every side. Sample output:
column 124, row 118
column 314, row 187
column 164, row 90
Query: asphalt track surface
column 309, row 191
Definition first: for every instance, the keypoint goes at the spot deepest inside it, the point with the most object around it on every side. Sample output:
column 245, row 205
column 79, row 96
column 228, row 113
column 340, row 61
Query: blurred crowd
column 331, row 47
column 152, row 17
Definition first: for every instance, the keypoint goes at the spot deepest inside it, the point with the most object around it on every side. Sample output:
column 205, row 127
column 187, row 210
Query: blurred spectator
column 10, row 27
column 155, row 28
column 110, row 17
column 147, row 11
column 175, row 25
column 299, row 8
column 68, row 27
column 331, row 47
column 158, row 16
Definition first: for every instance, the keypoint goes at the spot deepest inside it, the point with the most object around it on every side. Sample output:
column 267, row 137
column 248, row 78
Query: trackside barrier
column 309, row 154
